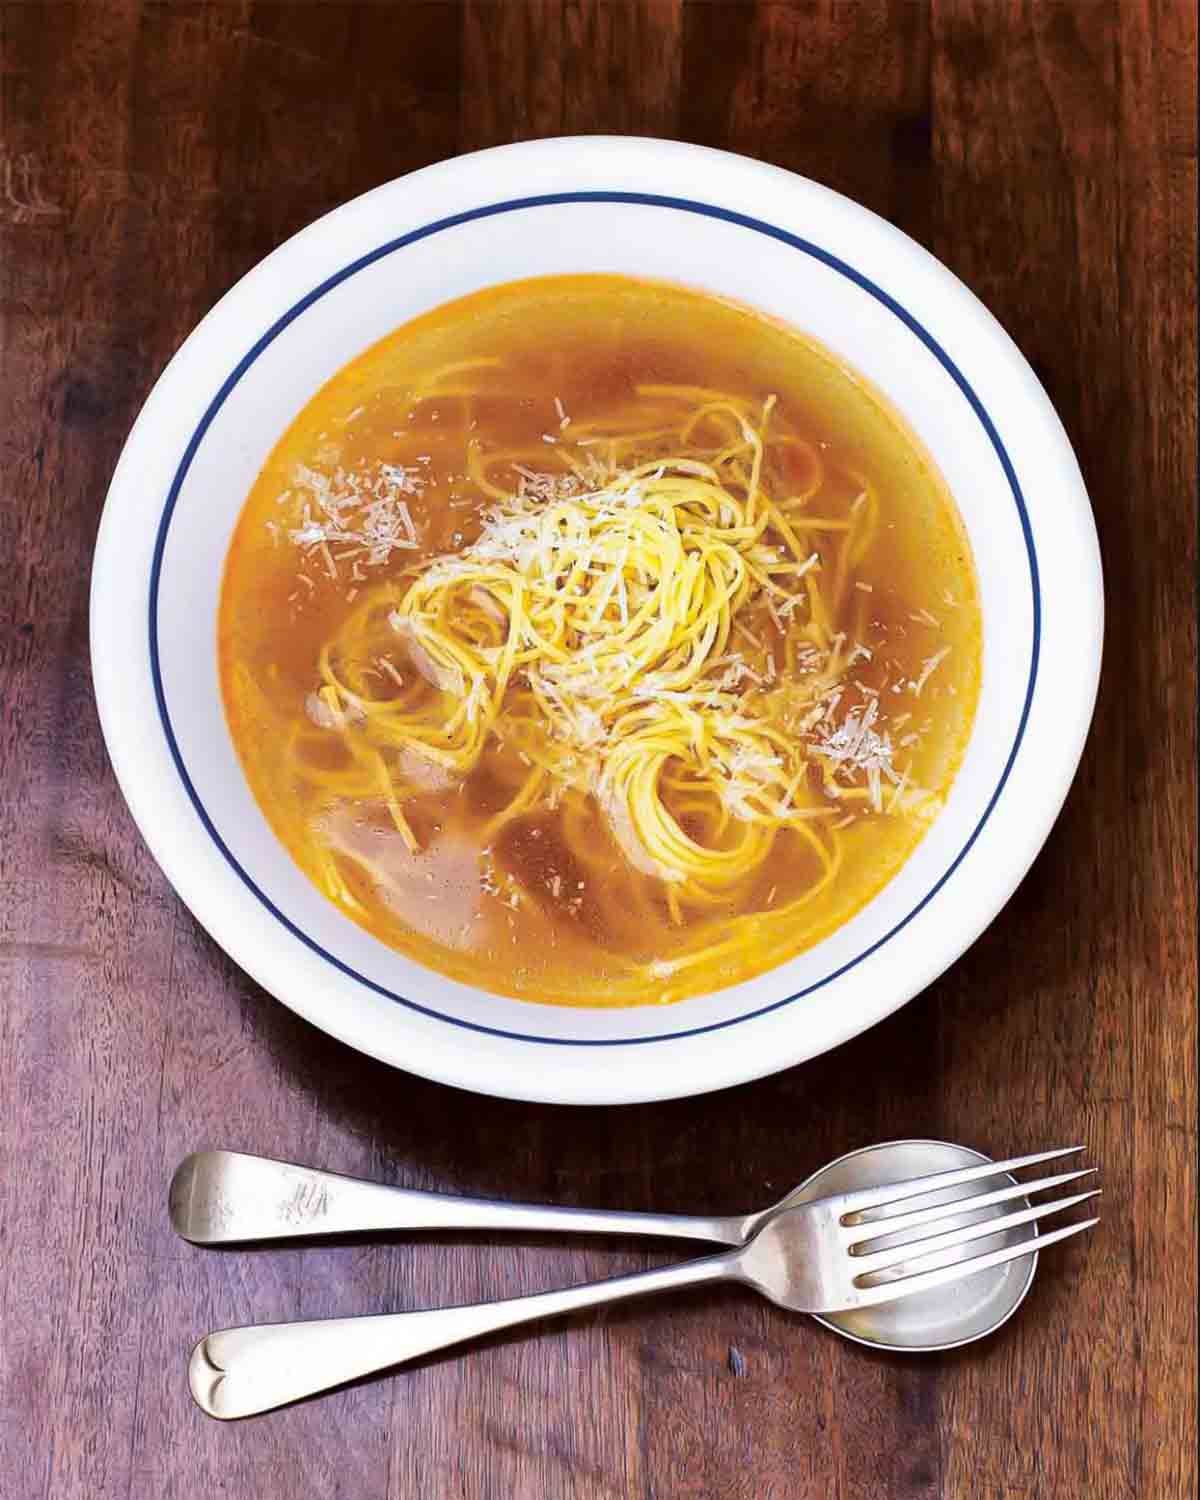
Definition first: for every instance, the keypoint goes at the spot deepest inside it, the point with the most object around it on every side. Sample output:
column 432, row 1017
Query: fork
column 834, row 1254
column 231, row 1198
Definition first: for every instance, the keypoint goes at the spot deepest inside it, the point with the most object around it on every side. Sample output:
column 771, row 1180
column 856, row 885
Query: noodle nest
column 646, row 625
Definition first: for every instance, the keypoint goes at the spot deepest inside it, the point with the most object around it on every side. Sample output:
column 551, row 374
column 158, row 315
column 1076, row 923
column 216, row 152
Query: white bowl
column 651, row 208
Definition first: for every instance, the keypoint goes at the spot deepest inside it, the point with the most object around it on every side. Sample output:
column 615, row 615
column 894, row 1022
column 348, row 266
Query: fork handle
column 242, row 1371
column 228, row 1197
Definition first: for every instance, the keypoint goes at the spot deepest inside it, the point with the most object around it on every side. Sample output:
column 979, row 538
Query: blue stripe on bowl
column 516, row 205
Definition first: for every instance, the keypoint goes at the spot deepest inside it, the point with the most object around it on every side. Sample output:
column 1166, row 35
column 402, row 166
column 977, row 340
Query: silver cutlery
column 850, row 1251
column 228, row 1197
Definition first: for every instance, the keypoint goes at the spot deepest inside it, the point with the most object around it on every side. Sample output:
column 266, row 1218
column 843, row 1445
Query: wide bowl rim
column 169, row 845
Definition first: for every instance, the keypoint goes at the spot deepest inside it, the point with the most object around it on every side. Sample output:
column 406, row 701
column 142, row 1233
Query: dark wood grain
column 149, row 154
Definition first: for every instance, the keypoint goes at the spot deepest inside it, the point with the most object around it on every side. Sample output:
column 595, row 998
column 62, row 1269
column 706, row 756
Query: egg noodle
column 645, row 625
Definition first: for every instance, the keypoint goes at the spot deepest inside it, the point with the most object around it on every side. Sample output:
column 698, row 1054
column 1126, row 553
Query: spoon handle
column 239, row 1372
column 227, row 1197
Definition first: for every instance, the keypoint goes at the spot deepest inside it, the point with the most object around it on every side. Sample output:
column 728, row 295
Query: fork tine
column 892, row 1291
column 897, row 1223
column 897, row 1256
column 895, row 1192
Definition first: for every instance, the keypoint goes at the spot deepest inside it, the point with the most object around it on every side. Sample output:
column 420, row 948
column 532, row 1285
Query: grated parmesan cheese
column 362, row 512
column 928, row 667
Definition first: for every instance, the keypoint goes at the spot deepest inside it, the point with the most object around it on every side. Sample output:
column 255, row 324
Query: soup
column 598, row 641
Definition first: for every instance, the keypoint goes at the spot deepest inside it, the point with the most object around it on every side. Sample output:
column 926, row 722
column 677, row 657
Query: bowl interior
column 815, row 285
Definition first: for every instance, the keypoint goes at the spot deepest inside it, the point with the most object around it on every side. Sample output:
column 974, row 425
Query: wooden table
column 151, row 153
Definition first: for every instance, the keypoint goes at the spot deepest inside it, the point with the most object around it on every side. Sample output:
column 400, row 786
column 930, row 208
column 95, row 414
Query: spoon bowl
column 950, row 1316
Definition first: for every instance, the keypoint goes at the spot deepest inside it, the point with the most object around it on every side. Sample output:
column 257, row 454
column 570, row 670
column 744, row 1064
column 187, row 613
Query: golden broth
column 436, row 807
